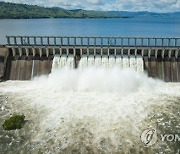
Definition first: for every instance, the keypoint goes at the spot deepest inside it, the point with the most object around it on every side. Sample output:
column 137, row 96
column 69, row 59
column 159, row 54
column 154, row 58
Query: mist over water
column 97, row 74
column 96, row 80
column 93, row 110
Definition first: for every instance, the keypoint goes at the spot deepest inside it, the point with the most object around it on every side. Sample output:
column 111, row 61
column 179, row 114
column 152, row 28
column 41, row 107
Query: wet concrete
column 29, row 65
column 27, row 69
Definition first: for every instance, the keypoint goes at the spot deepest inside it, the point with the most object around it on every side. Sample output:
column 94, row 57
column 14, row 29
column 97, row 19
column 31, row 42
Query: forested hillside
column 23, row 11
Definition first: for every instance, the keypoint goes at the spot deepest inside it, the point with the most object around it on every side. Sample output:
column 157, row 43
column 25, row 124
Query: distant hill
column 23, row 11
column 145, row 14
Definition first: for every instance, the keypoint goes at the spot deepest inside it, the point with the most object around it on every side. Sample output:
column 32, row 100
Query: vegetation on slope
column 23, row 11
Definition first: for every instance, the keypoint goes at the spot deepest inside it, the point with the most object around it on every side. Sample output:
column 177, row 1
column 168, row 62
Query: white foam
column 133, row 63
column 63, row 61
column 97, row 79
column 126, row 62
column 94, row 106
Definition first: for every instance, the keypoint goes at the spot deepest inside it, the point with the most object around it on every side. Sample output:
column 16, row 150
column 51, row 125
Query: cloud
column 107, row 5
column 94, row 1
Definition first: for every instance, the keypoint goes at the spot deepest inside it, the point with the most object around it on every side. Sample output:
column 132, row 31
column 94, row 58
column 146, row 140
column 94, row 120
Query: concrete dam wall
column 25, row 57
column 26, row 68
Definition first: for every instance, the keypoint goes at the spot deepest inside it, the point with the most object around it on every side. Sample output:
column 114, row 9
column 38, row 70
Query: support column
column 108, row 52
column 27, row 52
column 88, row 51
column 129, row 54
column 163, row 53
column 149, row 53
column 156, row 53
column 60, row 51
column 34, row 52
column 169, row 53
column 40, row 52
column 101, row 52
column 94, row 52
column 54, row 51
column 81, row 52
column 67, row 52
column 13, row 52
column 122, row 52
column 142, row 52
column 135, row 53
column 20, row 52
column 115, row 50
column 47, row 52
column 74, row 52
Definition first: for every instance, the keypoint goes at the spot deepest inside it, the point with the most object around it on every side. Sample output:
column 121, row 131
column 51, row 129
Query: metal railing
column 92, row 41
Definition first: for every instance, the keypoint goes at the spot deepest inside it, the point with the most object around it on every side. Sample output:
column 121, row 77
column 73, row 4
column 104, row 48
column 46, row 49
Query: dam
column 25, row 57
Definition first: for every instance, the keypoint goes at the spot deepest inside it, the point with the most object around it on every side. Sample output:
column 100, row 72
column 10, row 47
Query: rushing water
column 63, row 61
column 90, row 110
column 104, row 62
column 99, row 62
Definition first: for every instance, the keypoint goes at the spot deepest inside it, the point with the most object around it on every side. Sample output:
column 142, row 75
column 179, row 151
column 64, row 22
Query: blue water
column 150, row 27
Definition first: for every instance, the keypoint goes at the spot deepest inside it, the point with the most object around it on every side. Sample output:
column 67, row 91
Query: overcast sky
column 108, row 5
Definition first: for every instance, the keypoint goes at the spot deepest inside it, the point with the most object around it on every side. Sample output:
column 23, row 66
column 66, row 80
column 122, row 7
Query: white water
column 133, row 63
column 62, row 62
column 103, row 110
column 84, row 62
column 140, row 64
column 90, row 61
column 104, row 62
column 112, row 62
column 119, row 61
column 98, row 62
column 94, row 110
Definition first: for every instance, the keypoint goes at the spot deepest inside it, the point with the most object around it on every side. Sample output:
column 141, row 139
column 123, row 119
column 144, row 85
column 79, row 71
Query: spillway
column 109, row 62
column 139, row 64
column 91, row 61
column 158, row 57
column 83, row 62
column 60, row 62
column 133, row 63
column 112, row 62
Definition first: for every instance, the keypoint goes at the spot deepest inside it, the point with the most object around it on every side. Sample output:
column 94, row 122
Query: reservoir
column 132, row 27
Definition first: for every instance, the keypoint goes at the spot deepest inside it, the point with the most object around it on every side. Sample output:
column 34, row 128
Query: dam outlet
column 25, row 57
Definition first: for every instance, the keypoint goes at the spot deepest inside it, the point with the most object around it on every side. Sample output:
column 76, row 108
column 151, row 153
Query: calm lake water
column 159, row 27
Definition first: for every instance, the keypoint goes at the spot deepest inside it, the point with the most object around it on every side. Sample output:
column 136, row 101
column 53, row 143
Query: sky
column 109, row 5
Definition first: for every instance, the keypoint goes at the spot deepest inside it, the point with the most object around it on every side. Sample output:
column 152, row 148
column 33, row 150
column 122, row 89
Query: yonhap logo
column 149, row 137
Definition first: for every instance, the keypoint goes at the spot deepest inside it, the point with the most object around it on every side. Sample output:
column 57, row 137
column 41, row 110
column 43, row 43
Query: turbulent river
column 91, row 110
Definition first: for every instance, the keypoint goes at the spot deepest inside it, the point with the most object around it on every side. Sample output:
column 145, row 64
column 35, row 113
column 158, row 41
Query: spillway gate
column 29, row 56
